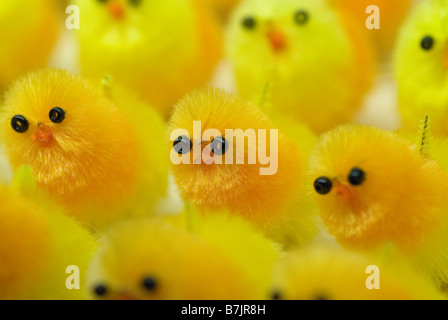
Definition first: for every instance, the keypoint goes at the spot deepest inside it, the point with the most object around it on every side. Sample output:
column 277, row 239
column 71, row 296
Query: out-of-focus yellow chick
column 375, row 188
column 421, row 66
column 96, row 151
column 37, row 245
column 224, row 164
column 319, row 68
column 322, row 273
column 160, row 48
column 391, row 16
column 28, row 32
column 222, row 258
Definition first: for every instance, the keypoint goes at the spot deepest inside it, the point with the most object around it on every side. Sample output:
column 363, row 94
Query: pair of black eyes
column 20, row 123
column 301, row 17
column 323, row 185
column 148, row 284
column 427, row 43
column 133, row 2
column 183, row 145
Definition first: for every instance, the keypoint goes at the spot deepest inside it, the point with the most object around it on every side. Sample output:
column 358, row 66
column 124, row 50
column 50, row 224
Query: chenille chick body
column 275, row 200
column 220, row 257
column 376, row 189
column 28, row 33
column 96, row 150
column 291, row 44
column 327, row 273
column 38, row 243
column 421, row 67
column 161, row 49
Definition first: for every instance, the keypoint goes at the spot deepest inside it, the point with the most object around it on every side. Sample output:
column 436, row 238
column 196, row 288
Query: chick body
column 286, row 43
column 377, row 189
column 100, row 156
column 324, row 273
column 276, row 202
column 27, row 37
column 161, row 49
column 220, row 258
column 421, row 64
column 38, row 243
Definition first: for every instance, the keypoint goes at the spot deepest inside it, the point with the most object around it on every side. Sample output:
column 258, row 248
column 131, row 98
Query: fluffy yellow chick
column 28, row 32
column 38, row 243
column 323, row 273
column 96, row 151
column 160, row 48
column 421, row 66
column 222, row 258
column 391, row 16
column 218, row 172
column 319, row 67
column 375, row 188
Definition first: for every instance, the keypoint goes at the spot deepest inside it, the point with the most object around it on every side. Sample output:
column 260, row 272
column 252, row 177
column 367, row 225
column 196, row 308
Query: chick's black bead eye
column 100, row 290
column 57, row 115
column 427, row 43
column 323, row 185
column 276, row 295
column 19, row 124
column 182, row 145
column 301, row 17
column 219, row 146
column 149, row 283
column 356, row 177
column 249, row 23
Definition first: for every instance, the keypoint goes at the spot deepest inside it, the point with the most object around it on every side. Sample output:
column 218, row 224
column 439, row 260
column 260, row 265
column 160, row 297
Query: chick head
column 68, row 133
column 373, row 187
column 146, row 260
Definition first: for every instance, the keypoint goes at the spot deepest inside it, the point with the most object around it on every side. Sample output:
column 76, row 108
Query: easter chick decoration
column 96, row 151
column 376, row 189
column 326, row 273
column 319, row 67
column 421, row 66
column 226, row 167
column 38, row 243
column 224, row 258
column 28, row 33
column 160, row 48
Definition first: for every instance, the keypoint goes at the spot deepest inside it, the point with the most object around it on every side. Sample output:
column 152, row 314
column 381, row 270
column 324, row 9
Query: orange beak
column 445, row 62
column 277, row 40
column 116, row 9
column 343, row 190
column 43, row 136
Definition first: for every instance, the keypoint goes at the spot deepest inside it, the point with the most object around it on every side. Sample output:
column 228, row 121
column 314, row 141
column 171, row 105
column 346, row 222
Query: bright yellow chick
column 221, row 163
column 160, row 48
column 318, row 67
column 96, row 151
column 323, row 273
column 391, row 16
column 375, row 188
column 28, row 33
column 224, row 258
column 421, row 66
column 38, row 243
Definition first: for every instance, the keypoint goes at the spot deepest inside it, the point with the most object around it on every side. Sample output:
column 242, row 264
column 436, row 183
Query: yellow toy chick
column 318, row 67
column 228, row 155
column 28, row 33
column 421, row 67
column 96, row 151
column 160, row 48
column 376, row 189
column 324, row 273
column 224, row 258
column 38, row 244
